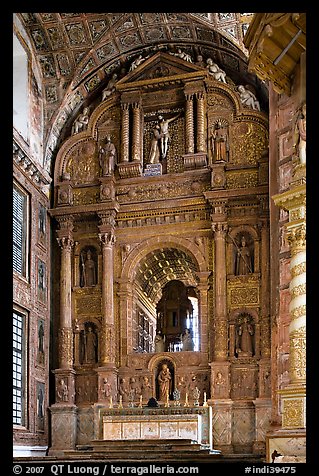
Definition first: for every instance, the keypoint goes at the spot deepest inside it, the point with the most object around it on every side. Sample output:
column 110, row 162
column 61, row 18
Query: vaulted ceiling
column 76, row 53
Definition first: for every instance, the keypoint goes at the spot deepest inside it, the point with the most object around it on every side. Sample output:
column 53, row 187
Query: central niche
column 177, row 317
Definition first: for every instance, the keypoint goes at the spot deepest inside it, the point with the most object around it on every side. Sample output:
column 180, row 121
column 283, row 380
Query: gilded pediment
column 159, row 67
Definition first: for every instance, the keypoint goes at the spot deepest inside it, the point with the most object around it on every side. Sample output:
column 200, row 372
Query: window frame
column 24, row 315
column 25, row 233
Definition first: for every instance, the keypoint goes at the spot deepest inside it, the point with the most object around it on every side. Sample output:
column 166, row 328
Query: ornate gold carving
column 293, row 413
column 297, row 238
column 297, row 340
column 88, row 305
column 66, row 346
column 298, row 312
column 249, row 140
column 298, row 269
column 85, row 196
column 243, row 296
column 242, row 179
column 83, row 165
column 298, row 290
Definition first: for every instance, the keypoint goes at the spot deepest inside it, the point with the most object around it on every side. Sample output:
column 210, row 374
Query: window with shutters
column 19, row 368
column 20, row 231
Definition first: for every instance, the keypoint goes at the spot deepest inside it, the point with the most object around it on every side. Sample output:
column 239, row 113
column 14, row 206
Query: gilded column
column 189, row 123
column 203, row 287
column 220, row 328
column 201, row 143
column 136, row 145
column 125, row 132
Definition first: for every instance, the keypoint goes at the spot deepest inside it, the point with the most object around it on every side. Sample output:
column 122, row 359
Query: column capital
column 65, row 243
column 220, row 227
column 107, row 238
column 125, row 106
column 296, row 236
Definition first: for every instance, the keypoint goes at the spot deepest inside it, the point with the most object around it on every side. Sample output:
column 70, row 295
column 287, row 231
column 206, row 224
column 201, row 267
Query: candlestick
column 205, row 404
column 141, row 401
column 186, row 401
column 120, row 402
column 111, row 402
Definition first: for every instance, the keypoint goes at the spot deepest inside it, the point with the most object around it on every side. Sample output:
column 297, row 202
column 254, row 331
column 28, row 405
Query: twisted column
column 220, row 334
column 297, row 307
column 189, row 123
column 136, row 145
column 125, row 132
column 200, row 142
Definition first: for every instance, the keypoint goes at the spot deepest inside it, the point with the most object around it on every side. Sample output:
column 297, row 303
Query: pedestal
column 63, row 428
column 222, row 424
column 263, row 420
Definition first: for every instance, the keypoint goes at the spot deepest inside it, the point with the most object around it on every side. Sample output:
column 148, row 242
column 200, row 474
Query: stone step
column 144, row 442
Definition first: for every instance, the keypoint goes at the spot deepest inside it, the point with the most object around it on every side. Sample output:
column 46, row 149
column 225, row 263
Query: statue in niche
column 164, row 133
column 248, row 98
column 215, row 71
column 219, row 142
column 245, row 337
column 219, row 385
column 159, row 342
column 62, row 391
column 243, row 259
column 81, row 122
column 154, row 155
column 146, row 389
column 181, row 54
column 88, row 270
column 165, row 382
column 89, row 346
column 110, row 88
column 299, row 138
column 107, row 156
column 124, row 390
column 187, row 341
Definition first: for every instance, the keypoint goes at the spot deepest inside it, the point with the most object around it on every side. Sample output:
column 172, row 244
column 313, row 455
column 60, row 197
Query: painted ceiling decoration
column 77, row 54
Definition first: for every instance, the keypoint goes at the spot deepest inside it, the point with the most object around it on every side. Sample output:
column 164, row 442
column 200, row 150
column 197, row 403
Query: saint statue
column 299, row 140
column 90, row 346
column 146, row 389
column 165, row 381
column 88, row 277
column 107, row 156
column 159, row 342
column 155, row 153
column 219, row 384
column 243, row 259
column 124, row 389
column 245, row 333
column 219, row 142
